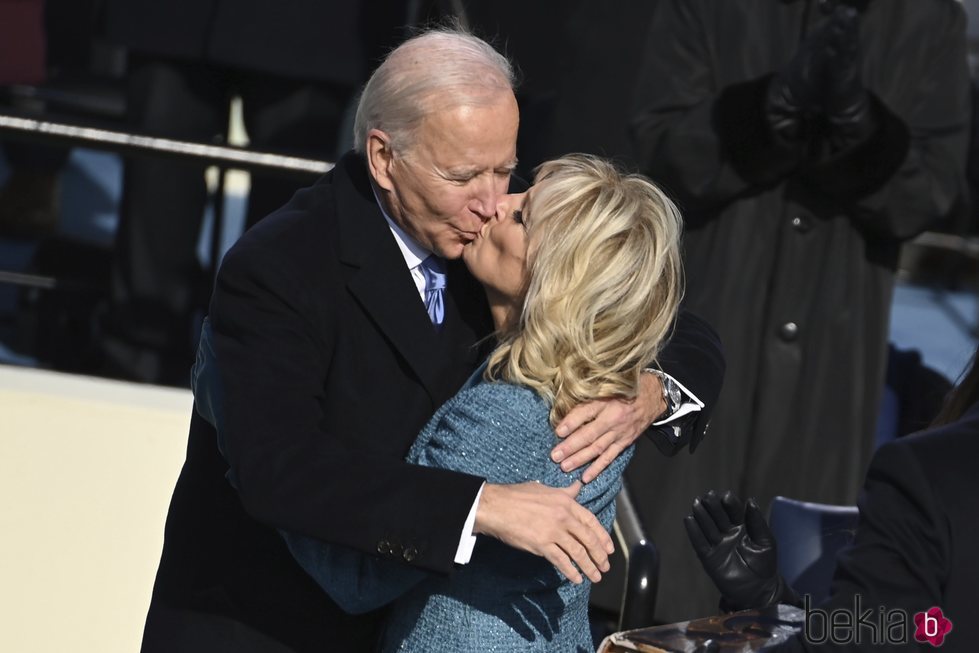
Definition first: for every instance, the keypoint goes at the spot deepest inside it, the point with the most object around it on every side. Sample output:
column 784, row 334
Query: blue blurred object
column 888, row 417
column 809, row 535
column 913, row 394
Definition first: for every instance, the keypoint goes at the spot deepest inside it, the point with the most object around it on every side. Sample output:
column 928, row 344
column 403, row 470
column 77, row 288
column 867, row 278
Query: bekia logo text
column 868, row 626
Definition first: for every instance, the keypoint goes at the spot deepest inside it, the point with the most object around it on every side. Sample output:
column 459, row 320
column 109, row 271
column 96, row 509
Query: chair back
column 809, row 535
column 625, row 599
column 642, row 565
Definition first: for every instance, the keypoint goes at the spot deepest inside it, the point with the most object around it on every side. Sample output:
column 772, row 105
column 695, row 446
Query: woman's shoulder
column 483, row 424
column 494, row 408
column 501, row 395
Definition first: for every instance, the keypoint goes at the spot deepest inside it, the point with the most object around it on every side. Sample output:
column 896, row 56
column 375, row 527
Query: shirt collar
column 413, row 252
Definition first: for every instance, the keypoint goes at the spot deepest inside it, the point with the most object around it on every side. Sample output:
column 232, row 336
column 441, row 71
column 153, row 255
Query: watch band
column 672, row 395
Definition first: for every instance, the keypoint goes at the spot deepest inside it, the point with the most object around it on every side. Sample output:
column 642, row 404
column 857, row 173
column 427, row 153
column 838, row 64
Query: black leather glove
column 737, row 550
column 846, row 102
column 796, row 90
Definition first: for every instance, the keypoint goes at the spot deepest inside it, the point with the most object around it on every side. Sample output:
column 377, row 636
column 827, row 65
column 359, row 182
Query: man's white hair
column 438, row 69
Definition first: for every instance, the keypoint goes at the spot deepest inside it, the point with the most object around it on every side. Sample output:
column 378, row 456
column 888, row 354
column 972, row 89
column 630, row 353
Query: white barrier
column 87, row 467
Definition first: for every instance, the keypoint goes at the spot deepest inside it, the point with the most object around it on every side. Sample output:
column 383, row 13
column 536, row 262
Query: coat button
column 384, row 547
column 802, row 224
column 789, row 331
column 409, row 553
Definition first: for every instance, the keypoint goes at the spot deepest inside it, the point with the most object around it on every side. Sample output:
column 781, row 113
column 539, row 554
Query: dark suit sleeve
column 900, row 556
column 272, row 342
column 901, row 549
column 694, row 357
column 358, row 582
column 929, row 182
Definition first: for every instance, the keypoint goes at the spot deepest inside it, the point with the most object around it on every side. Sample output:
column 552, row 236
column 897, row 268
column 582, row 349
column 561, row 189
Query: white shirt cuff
column 468, row 539
column 691, row 405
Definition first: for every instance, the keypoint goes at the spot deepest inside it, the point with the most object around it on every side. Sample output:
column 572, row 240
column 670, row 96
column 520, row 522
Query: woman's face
column 498, row 256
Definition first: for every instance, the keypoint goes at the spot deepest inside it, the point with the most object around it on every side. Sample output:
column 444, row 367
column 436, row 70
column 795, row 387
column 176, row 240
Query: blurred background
column 67, row 274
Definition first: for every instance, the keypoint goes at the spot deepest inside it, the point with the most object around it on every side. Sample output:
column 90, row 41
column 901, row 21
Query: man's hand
column 737, row 550
column 547, row 522
column 600, row 430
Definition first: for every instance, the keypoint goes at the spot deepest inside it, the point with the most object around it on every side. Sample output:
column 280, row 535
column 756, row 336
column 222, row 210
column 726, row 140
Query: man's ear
column 380, row 158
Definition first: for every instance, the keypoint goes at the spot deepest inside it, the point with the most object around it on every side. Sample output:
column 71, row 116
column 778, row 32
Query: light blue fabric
column 434, row 272
column 504, row 599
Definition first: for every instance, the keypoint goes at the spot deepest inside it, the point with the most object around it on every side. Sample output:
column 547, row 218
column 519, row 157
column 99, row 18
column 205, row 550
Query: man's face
column 447, row 185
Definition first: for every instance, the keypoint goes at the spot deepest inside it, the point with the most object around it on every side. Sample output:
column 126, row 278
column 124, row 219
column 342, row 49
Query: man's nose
column 485, row 201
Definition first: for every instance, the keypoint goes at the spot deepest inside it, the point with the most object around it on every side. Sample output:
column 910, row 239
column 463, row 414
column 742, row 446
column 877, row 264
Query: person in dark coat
column 579, row 101
column 328, row 365
column 295, row 64
column 804, row 140
column 914, row 548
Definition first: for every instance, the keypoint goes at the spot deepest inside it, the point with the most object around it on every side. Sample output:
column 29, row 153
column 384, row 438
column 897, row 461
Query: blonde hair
column 605, row 280
column 440, row 68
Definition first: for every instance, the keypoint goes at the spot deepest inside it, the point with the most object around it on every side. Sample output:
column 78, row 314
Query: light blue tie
column 434, row 272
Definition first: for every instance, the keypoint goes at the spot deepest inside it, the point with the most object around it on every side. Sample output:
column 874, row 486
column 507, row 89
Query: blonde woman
column 583, row 277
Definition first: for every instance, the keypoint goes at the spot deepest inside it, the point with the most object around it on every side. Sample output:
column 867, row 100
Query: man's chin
column 452, row 251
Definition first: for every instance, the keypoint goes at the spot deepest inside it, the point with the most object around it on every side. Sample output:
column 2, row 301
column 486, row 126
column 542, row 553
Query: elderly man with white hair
column 338, row 326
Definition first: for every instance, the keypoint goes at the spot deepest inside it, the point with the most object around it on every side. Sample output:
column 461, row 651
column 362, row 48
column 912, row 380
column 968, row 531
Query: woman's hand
column 598, row 431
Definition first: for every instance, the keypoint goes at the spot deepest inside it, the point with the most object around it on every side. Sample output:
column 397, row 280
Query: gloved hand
column 796, row 90
column 737, row 550
column 846, row 102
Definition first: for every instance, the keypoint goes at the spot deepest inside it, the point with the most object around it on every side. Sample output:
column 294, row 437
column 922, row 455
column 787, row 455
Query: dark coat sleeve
column 676, row 138
column 272, row 342
column 930, row 182
column 900, row 554
column 694, row 356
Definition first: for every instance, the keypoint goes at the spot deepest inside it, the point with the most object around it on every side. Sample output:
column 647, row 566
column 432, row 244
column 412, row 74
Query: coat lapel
column 379, row 280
